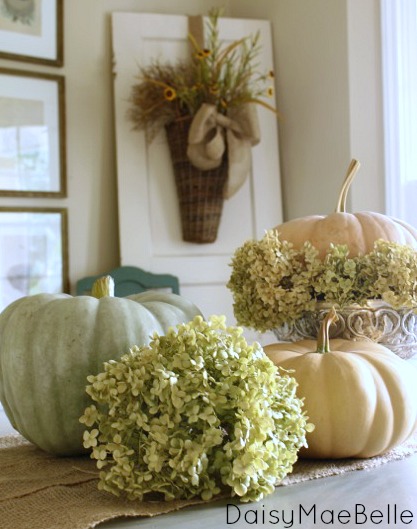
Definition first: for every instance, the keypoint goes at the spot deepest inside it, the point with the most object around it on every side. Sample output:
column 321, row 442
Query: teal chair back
column 131, row 280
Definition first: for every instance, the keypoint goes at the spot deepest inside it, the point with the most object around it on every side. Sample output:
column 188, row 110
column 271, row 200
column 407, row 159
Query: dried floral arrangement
column 195, row 413
column 223, row 76
column 273, row 284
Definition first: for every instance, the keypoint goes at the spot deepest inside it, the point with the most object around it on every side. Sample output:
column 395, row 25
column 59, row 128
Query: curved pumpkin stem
column 350, row 175
column 103, row 286
column 323, row 341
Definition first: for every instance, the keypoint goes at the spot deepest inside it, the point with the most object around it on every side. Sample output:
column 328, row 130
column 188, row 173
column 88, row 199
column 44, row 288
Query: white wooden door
column 149, row 222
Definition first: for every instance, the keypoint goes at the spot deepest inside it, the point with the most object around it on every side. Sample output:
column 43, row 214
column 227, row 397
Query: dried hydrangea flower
column 197, row 412
column 273, row 284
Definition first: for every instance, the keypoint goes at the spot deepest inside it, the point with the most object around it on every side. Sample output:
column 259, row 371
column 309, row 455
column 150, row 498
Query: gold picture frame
column 32, row 31
column 36, row 260
column 32, row 134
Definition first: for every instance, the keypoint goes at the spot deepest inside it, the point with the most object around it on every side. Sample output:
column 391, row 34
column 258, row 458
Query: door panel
column 149, row 222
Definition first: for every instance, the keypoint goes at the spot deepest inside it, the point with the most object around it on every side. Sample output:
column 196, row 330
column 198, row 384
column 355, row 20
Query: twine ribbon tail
column 211, row 133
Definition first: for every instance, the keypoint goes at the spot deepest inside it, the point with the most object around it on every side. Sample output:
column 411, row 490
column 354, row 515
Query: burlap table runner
column 40, row 491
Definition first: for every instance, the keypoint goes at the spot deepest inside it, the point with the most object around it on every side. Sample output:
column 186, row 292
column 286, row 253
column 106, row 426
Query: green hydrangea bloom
column 271, row 282
column 274, row 284
column 196, row 412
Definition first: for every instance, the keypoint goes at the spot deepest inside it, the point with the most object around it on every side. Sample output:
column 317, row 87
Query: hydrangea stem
column 323, row 340
column 103, row 286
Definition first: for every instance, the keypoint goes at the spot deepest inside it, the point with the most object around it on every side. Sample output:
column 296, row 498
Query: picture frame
column 32, row 134
column 36, row 260
column 32, row 31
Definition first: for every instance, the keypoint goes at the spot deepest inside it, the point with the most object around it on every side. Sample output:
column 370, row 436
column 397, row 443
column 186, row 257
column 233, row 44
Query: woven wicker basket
column 200, row 193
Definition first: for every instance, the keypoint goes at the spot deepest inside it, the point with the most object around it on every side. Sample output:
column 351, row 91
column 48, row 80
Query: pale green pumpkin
column 50, row 343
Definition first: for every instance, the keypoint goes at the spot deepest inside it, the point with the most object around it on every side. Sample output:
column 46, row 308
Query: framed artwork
column 32, row 31
column 36, row 256
column 32, row 134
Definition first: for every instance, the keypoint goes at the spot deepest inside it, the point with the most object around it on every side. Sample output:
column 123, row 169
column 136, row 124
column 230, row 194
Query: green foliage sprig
column 224, row 76
column 196, row 412
column 273, row 284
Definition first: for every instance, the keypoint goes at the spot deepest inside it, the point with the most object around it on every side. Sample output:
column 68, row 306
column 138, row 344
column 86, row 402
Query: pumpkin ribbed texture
column 360, row 396
column 49, row 344
column 358, row 231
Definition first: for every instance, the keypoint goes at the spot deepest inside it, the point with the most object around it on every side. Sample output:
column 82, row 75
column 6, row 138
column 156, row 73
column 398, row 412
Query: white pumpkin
column 360, row 396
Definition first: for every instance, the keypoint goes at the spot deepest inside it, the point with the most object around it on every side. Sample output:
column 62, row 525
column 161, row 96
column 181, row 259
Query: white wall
column 327, row 72
column 327, row 55
column 366, row 104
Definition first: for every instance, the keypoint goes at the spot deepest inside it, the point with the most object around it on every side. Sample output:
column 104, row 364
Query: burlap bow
column 211, row 132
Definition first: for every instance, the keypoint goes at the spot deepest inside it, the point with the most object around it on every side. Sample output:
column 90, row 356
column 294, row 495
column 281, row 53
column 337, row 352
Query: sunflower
column 224, row 76
column 170, row 94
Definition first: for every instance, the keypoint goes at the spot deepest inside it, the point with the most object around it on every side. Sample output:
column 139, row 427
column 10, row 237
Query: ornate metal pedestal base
column 377, row 321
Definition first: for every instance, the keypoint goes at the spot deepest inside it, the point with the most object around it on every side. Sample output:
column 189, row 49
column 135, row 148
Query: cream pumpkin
column 358, row 231
column 360, row 396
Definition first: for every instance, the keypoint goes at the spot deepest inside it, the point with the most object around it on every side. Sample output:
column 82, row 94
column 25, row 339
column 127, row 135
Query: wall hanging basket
column 200, row 193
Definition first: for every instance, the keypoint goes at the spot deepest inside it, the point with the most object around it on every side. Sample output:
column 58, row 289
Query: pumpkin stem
column 350, row 175
column 103, row 286
column 323, row 341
